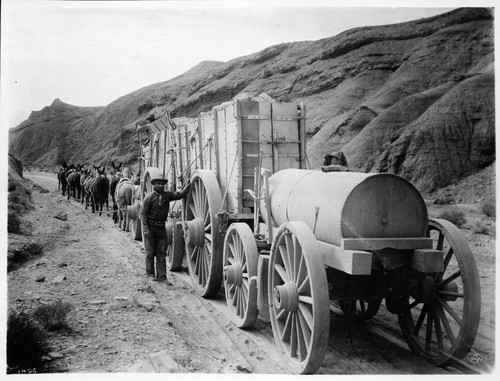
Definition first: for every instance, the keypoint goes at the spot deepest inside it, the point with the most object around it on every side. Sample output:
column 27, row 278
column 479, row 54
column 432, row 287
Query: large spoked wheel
column 133, row 212
column 175, row 244
column 201, row 233
column 361, row 310
column 240, row 269
column 136, row 229
column 298, row 297
column 442, row 319
column 147, row 187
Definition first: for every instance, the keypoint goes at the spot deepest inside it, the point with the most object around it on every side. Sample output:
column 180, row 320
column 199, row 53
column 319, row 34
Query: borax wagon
column 288, row 242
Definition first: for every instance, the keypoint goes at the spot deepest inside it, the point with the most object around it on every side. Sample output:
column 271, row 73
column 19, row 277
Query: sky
column 89, row 53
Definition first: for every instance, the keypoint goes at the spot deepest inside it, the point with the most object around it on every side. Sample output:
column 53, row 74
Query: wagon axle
column 286, row 297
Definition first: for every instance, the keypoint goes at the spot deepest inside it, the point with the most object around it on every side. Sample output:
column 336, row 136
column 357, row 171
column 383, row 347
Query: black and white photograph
column 241, row 188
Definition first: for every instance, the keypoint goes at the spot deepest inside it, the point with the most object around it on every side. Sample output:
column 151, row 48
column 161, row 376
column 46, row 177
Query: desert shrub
column 13, row 222
column 454, row 215
column 442, row 200
column 53, row 316
column 21, row 196
column 26, row 341
column 480, row 228
column 489, row 208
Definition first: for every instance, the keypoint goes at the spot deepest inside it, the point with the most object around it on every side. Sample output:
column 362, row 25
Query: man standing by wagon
column 153, row 216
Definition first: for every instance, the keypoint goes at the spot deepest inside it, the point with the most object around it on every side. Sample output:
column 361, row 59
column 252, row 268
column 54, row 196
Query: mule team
column 93, row 188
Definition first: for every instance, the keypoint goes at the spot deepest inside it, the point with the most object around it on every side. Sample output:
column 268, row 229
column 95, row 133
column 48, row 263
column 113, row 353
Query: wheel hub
column 286, row 297
column 233, row 274
column 195, row 232
column 429, row 289
column 449, row 287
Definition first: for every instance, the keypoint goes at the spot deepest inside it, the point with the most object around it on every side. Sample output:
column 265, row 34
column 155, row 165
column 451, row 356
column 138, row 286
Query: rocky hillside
column 415, row 99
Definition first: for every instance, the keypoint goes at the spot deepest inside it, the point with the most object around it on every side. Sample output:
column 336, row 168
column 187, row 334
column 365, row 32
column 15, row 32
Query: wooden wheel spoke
column 306, row 328
column 232, row 289
column 452, row 277
column 450, row 311
column 301, row 272
column 208, row 238
column 440, row 241
column 284, row 250
column 420, row 320
column 428, row 331
column 241, row 304
column 306, row 313
column 202, row 266
column 447, row 258
column 301, row 345
column 235, row 297
column 239, row 250
column 439, row 333
column 232, row 250
column 196, row 198
column 362, row 306
column 446, row 324
column 245, row 292
column 288, row 257
column 414, row 304
column 306, row 299
column 197, row 260
column 285, row 334
column 208, row 227
column 194, row 253
column 450, row 293
column 207, row 219
column 293, row 337
column 192, row 208
column 280, row 315
column 304, row 286
column 296, row 258
column 282, row 273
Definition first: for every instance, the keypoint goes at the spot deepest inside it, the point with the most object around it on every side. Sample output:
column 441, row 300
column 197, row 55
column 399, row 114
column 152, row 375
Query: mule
column 99, row 189
column 87, row 189
column 61, row 177
column 117, row 175
column 74, row 183
column 84, row 176
column 124, row 195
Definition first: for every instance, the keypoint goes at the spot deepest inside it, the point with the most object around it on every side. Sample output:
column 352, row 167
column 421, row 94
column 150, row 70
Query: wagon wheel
column 240, row 270
column 441, row 322
column 175, row 244
column 147, row 187
column 136, row 229
column 201, row 233
column 361, row 309
column 298, row 297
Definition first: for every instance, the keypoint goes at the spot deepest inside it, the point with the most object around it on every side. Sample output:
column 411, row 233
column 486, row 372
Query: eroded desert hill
column 415, row 99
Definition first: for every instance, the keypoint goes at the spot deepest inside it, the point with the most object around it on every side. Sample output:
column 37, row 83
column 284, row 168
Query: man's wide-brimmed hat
column 159, row 178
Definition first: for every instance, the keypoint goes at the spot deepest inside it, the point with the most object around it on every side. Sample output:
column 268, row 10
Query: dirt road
column 123, row 321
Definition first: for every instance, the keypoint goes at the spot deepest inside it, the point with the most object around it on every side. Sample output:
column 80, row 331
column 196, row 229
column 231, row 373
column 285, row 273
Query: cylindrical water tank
column 338, row 205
